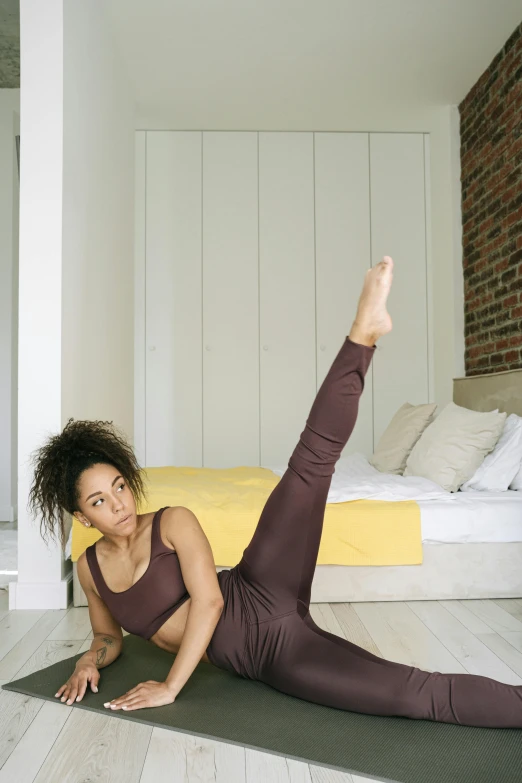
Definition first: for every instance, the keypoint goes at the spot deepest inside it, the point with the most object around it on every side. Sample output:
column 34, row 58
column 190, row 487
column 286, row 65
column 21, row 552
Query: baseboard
column 41, row 595
column 7, row 513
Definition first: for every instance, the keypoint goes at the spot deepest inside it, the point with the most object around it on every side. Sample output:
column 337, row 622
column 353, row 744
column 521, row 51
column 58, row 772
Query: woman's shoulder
column 84, row 572
column 174, row 515
column 176, row 511
column 84, row 560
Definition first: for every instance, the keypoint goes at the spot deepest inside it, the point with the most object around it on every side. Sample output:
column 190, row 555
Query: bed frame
column 448, row 571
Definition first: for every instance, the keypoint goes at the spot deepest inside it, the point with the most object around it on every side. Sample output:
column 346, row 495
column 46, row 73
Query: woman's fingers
column 132, row 691
column 126, row 703
column 72, row 694
column 133, row 702
column 75, row 690
column 82, row 687
column 117, row 702
column 137, row 705
column 93, row 679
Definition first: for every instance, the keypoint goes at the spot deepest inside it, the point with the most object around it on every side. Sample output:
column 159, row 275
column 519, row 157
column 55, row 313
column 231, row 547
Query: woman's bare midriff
column 171, row 632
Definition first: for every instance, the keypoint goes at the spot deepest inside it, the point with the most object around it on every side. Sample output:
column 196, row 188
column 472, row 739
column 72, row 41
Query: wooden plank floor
column 41, row 741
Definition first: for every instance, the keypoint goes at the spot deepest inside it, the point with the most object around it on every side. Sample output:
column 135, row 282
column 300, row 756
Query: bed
column 471, row 542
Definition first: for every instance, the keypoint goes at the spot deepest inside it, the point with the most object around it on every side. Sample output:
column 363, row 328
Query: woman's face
column 105, row 500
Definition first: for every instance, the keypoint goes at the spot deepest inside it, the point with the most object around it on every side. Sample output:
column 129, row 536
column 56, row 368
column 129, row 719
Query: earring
column 87, row 524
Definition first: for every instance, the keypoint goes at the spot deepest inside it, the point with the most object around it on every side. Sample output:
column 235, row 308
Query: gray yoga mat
column 222, row 706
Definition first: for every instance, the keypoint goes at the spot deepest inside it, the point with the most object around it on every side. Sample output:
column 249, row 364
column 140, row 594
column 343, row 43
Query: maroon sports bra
column 159, row 592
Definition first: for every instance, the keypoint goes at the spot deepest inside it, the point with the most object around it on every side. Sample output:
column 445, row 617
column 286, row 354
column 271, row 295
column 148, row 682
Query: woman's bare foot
column 372, row 320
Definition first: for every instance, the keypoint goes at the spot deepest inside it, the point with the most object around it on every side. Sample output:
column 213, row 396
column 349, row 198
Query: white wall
column 9, row 128
column 98, row 223
column 444, row 246
column 76, row 252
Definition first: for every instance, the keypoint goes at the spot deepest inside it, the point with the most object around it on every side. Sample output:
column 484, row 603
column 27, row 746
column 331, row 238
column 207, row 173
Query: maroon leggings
column 266, row 631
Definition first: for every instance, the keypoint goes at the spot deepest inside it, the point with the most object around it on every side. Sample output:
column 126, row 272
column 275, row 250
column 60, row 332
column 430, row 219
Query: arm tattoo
column 101, row 652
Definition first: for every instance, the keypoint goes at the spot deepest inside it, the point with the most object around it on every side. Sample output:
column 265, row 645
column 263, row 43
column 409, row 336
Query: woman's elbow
column 208, row 602
column 216, row 603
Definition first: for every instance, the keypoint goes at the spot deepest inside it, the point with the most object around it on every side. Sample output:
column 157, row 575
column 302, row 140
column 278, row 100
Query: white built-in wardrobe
column 251, row 249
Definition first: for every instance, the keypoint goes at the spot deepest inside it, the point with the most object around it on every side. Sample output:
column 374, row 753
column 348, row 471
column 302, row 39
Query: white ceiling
column 197, row 56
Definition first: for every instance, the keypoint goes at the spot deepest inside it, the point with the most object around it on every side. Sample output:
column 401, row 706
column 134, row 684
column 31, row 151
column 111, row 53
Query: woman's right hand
column 75, row 687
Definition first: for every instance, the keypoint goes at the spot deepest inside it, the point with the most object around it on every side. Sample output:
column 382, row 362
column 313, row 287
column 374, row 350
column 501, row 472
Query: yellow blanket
column 228, row 503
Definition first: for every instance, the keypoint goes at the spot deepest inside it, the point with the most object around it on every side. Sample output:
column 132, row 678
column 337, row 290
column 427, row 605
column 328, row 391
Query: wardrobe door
column 400, row 365
column 342, row 236
column 173, row 343
column 287, row 291
column 230, row 300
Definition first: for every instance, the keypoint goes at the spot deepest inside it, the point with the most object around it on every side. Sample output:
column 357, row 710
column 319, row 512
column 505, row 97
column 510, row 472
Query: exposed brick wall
column 491, row 161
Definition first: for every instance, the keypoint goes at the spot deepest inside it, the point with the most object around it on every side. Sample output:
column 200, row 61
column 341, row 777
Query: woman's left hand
column 146, row 694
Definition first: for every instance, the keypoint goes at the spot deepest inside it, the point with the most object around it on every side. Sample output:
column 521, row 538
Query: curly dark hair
column 60, row 462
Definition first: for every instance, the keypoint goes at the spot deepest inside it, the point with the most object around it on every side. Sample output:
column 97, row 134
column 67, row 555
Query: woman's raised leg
column 279, row 562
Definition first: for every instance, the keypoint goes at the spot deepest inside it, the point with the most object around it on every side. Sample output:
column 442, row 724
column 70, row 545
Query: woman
column 154, row 574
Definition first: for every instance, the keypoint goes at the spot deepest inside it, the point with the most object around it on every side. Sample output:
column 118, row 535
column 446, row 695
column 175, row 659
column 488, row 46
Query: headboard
column 502, row 390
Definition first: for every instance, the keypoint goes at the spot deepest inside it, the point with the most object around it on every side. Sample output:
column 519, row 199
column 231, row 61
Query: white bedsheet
column 446, row 517
column 473, row 517
column 355, row 479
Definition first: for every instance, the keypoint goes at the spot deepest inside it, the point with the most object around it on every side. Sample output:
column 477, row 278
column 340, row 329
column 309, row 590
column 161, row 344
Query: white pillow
column 451, row 449
column 500, row 467
column 400, row 436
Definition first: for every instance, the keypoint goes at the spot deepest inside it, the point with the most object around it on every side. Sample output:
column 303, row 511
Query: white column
column 9, row 128
column 41, row 582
